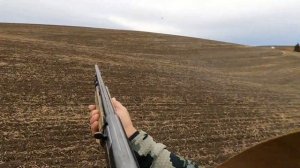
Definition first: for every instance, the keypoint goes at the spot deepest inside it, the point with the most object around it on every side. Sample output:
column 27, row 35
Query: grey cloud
column 270, row 22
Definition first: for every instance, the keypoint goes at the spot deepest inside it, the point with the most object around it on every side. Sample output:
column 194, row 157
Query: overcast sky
column 252, row 22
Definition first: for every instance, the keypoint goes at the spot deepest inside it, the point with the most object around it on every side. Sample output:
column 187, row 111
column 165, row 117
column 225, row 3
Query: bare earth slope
column 205, row 100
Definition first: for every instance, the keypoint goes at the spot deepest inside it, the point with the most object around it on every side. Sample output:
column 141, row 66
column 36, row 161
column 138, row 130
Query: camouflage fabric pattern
column 155, row 155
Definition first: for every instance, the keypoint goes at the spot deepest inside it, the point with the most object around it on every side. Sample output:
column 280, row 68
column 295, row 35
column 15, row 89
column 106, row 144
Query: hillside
column 205, row 100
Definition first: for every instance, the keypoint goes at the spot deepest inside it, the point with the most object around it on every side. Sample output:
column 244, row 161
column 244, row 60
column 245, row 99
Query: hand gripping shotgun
column 111, row 134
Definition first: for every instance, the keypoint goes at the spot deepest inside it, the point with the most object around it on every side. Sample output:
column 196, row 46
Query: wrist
column 130, row 131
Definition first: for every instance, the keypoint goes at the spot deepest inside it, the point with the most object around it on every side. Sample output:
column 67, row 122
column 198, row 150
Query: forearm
column 155, row 155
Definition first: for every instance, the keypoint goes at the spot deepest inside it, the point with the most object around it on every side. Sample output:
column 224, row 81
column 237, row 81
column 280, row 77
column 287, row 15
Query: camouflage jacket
column 154, row 155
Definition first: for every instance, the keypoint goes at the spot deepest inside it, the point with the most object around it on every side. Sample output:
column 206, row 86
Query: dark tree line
column 297, row 48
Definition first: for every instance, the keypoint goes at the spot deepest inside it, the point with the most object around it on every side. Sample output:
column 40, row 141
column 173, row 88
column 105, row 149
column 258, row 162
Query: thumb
column 117, row 105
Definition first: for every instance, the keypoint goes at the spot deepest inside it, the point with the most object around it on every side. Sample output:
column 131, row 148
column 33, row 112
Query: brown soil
column 205, row 100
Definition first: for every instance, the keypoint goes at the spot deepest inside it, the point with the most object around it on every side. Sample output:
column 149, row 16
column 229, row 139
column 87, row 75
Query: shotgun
column 111, row 134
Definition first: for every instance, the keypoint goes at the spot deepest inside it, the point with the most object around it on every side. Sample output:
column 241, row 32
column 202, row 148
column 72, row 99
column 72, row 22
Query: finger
column 94, row 118
column 95, row 127
column 94, row 112
column 92, row 107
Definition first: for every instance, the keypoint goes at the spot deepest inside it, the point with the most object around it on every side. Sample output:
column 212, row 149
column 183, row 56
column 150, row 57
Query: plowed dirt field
column 205, row 100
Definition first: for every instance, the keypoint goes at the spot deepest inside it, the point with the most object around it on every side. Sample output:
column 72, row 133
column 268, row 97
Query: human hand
column 121, row 112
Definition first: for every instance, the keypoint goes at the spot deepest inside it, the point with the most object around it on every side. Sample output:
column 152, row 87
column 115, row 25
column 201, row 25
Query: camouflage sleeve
column 154, row 155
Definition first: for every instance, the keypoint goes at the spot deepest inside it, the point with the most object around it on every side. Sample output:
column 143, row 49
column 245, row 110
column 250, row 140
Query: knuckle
column 94, row 126
column 94, row 118
column 95, row 112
